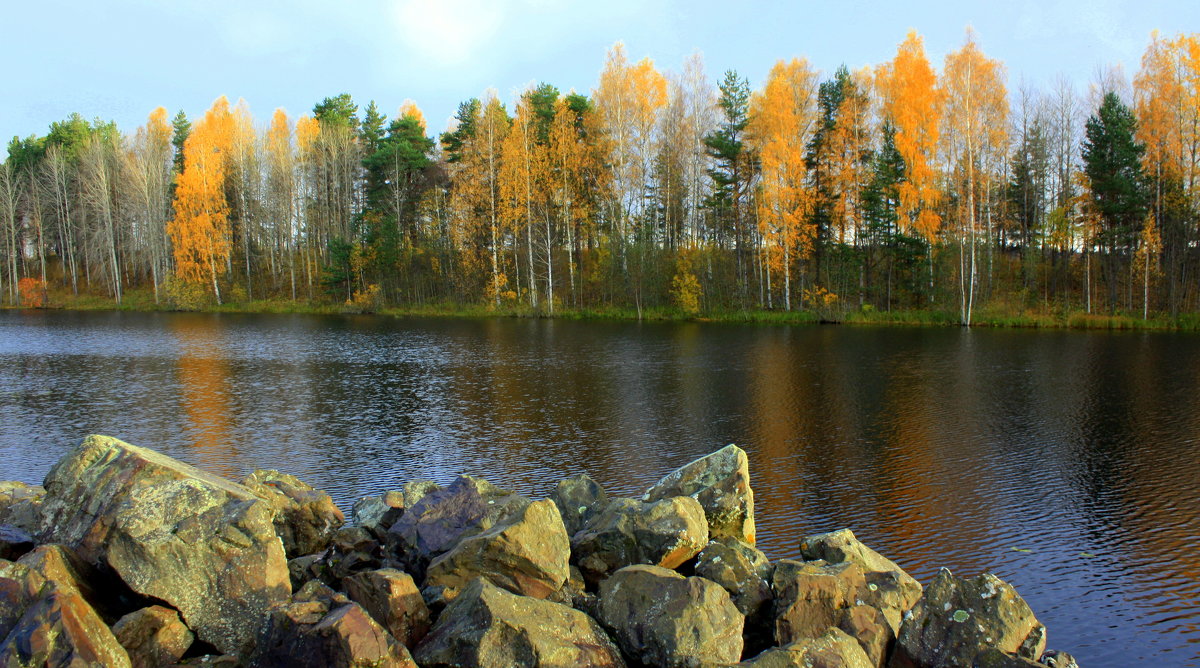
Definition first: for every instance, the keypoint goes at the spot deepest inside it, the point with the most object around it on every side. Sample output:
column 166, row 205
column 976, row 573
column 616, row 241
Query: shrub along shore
column 126, row 557
column 998, row 316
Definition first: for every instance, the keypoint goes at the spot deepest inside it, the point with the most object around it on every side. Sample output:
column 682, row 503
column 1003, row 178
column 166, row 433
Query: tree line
column 897, row 186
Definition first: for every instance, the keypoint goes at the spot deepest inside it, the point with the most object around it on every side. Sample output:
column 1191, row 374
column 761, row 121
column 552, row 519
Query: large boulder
column 305, row 518
column 741, row 569
column 721, row 483
column 379, row 512
column 19, row 589
column 811, row 596
column 661, row 618
column 889, row 588
column 488, row 627
column 528, row 554
column 392, row 599
column 958, row 618
column 321, row 628
column 663, row 533
column 202, row 544
column 444, row 516
column 578, row 499
column 153, row 636
column 21, row 504
column 833, row 649
column 61, row 629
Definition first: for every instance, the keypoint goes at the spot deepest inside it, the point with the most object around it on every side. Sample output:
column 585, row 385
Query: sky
column 119, row 59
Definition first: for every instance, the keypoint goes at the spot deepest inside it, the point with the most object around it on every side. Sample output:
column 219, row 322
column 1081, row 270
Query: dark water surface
column 1065, row 462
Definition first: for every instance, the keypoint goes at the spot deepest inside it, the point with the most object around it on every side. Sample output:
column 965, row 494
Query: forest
column 894, row 188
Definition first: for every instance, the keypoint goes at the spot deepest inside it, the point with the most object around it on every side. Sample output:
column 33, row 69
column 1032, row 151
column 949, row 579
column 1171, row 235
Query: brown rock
column 994, row 658
column 867, row 625
column 832, row 649
column 889, row 588
column 664, row 533
column 958, row 618
column 61, row 629
column 721, row 483
column 153, row 636
column 305, row 518
column 811, row 596
column 108, row 595
column 200, row 543
column 19, row 589
column 660, row 618
column 488, row 627
column 578, row 498
column 392, row 599
column 527, row 554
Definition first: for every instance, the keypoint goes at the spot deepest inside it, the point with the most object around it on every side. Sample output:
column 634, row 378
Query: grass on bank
column 995, row 315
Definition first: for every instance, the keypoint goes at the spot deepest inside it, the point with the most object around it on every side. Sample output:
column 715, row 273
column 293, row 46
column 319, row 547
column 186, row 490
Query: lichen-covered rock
column 889, row 588
column 202, row 544
column 305, row 518
column 721, row 483
column 488, row 627
column 958, row 618
column 445, row 516
column 415, row 490
column 61, row 629
column 19, row 589
column 1056, row 659
column 578, row 499
column 379, row 512
column 321, row 628
column 661, row 618
column 832, row 649
column 108, row 595
column 392, row 599
column 741, row 569
column 14, row 542
column 20, row 505
column 153, row 636
column 867, row 625
column 994, row 658
column 811, row 596
column 664, row 533
column 528, row 554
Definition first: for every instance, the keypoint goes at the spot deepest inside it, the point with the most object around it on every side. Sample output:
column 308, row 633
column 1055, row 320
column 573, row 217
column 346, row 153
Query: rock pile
column 126, row 557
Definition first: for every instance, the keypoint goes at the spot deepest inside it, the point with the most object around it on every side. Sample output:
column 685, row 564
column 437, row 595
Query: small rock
column 661, row 618
column 20, row 505
column 664, row 533
column 1057, row 659
column 61, row 629
column 526, row 554
column 319, row 628
column 994, row 658
column 14, row 542
column 578, row 498
column 487, row 626
column 415, row 490
column 445, row 516
column 301, row 570
column 392, row 599
column 721, row 483
column 957, row 618
column 811, row 596
column 153, row 636
column 832, row 649
column 378, row 513
column 305, row 518
column 741, row 569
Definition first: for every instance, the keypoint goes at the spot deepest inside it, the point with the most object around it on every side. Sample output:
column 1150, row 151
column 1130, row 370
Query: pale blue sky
column 118, row 59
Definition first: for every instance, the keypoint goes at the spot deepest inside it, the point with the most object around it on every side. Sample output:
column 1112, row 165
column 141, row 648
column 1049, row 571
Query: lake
column 1065, row 462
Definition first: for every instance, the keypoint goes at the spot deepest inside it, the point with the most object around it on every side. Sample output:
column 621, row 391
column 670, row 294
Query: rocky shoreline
column 126, row 557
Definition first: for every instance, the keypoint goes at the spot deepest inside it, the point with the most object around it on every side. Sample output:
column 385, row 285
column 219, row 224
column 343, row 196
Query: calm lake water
column 1065, row 462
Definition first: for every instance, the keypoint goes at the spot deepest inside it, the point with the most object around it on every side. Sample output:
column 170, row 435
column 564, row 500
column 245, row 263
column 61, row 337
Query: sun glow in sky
column 120, row 59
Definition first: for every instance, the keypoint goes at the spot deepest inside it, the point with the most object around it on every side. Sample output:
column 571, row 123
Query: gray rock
column 527, row 553
column 660, row 618
column 488, row 627
column 200, row 543
column 378, row 513
column 811, row 596
column 832, row 649
column 305, row 518
column 994, row 658
column 153, row 636
column 392, row 599
column 445, row 516
column 20, row 505
column 415, row 490
column 741, row 569
column 1056, row 659
column 14, row 542
column 664, row 533
column 721, row 483
column 578, row 498
column 958, row 618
